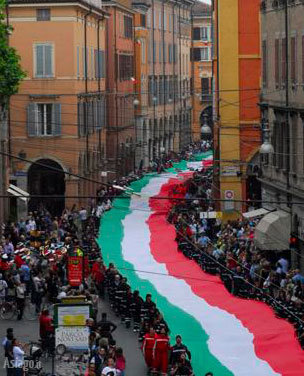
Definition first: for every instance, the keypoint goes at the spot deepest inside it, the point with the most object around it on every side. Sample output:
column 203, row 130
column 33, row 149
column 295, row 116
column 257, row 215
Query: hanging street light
column 266, row 147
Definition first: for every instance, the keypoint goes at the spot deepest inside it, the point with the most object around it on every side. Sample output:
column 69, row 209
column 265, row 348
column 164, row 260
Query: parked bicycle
column 8, row 310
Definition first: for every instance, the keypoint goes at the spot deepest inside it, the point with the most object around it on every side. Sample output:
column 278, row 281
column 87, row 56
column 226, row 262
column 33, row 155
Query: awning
column 255, row 213
column 273, row 231
column 18, row 192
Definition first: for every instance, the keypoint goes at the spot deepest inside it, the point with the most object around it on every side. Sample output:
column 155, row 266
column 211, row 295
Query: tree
column 11, row 72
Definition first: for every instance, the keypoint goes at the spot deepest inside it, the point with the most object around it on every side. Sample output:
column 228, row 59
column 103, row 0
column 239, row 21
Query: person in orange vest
column 148, row 346
column 161, row 352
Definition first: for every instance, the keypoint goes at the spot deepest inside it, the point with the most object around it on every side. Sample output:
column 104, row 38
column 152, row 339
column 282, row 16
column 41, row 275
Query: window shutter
column 56, row 119
column 48, row 57
column 39, row 60
column 31, row 120
column 79, row 118
column 96, row 63
column 103, row 54
column 78, row 62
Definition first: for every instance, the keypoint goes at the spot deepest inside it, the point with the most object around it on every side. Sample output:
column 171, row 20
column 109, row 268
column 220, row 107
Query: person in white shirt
column 18, row 353
column 284, row 264
column 3, row 289
column 62, row 293
column 110, row 368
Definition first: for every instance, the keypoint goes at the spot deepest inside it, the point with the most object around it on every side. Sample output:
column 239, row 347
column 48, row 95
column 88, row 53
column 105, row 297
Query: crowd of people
column 34, row 261
column 34, row 273
column 229, row 250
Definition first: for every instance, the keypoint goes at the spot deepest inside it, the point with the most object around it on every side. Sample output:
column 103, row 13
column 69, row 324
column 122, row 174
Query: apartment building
column 121, row 143
column 163, row 73
column 201, row 67
column 57, row 120
column 282, row 105
column 237, row 130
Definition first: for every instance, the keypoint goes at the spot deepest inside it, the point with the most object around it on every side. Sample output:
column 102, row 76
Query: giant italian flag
column 226, row 335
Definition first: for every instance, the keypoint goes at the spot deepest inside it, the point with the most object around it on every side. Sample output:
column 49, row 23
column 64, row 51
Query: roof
column 201, row 9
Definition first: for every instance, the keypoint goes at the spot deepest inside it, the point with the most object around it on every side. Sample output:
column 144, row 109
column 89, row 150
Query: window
column 161, row 90
column 205, row 85
column 43, row 14
column 264, row 63
column 128, row 27
column 100, row 64
column 92, row 63
column 293, row 59
column 160, row 49
column 125, row 67
column 143, row 20
column 121, row 24
column 143, row 51
column 78, row 61
column 277, row 62
column 160, row 20
column 174, row 53
column 165, row 52
column 200, row 33
column 200, row 54
column 196, row 33
column 283, row 62
column 204, row 33
column 170, row 22
column 170, row 57
column 44, row 119
column 149, row 18
column 44, row 60
column 154, row 52
column 165, row 20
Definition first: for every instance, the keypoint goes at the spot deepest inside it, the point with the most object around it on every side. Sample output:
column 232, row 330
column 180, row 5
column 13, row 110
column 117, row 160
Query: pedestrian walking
column 148, row 347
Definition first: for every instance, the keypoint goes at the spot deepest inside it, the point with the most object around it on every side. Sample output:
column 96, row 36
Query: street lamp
column 266, row 147
column 136, row 102
column 205, row 129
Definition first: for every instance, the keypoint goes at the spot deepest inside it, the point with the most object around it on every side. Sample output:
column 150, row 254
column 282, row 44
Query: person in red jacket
column 161, row 352
column 18, row 260
column 98, row 276
column 148, row 346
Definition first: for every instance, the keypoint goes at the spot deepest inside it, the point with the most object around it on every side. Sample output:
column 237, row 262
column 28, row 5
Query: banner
column 73, row 338
column 75, row 268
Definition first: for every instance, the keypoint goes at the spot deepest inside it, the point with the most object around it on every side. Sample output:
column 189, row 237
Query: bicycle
column 9, row 310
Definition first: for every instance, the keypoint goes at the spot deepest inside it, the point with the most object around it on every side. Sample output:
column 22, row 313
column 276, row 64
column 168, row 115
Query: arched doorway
column 44, row 181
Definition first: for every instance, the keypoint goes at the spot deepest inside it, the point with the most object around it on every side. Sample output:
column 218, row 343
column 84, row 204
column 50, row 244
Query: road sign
column 229, row 204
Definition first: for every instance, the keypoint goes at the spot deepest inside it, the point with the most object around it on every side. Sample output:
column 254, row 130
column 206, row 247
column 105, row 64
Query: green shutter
column 57, row 119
